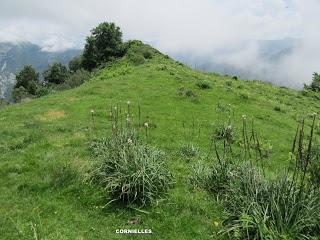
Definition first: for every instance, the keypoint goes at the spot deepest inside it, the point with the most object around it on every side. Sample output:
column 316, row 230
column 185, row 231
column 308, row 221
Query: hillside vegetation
column 45, row 156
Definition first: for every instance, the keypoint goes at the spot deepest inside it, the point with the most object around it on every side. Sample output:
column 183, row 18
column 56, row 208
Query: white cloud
column 201, row 27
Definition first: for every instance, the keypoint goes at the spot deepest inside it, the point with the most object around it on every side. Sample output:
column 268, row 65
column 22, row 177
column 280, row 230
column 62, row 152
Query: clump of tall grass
column 189, row 150
column 129, row 170
column 286, row 207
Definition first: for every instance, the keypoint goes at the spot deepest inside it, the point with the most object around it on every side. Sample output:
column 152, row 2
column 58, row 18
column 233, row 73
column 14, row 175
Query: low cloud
column 226, row 31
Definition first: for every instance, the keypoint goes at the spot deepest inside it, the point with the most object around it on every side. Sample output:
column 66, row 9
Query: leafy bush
column 138, row 52
column 244, row 96
column 204, row 85
column 187, row 93
column 229, row 83
column 57, row 73
column 20, row 93
column 277, row 108
column 136, row 59
column 75, row 64
column 129, row 170
column 76, row 79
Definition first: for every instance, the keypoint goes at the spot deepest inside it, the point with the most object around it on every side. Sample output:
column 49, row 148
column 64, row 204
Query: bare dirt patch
column 52, row 115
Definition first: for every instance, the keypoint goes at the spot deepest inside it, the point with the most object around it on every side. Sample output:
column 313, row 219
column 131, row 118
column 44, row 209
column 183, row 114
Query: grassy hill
column 44, row 148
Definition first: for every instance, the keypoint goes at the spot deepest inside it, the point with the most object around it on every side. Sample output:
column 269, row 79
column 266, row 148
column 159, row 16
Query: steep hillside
column 13, row 56
column 42, row 138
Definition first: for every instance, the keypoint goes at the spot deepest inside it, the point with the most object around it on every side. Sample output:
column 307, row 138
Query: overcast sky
column 199, row 26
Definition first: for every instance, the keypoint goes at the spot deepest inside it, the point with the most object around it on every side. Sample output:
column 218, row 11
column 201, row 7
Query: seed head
column 92, row 111
column 128, row 102
column 146, row 125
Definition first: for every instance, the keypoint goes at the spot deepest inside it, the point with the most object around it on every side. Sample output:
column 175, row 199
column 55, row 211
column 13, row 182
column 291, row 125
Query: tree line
column 104, row 44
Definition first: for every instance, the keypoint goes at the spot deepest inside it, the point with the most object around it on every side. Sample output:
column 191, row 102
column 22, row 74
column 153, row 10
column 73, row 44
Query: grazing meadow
column 149, row 143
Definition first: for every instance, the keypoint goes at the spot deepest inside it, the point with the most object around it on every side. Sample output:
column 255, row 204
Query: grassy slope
column 40, row 137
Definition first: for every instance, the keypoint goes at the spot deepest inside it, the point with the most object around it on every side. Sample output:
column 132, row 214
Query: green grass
column 47, row 139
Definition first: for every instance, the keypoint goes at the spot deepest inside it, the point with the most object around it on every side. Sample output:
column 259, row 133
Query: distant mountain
column 13, row 56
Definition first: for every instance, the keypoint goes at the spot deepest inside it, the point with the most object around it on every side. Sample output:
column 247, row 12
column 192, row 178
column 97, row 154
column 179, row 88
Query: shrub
column 188, row 150
column 229, row 83
column 130, row 171
column 136, row 59
column 244, row 96
column 235, row 78
column 76, row 79
column 277, row 108
column 187, row 93
column 57, row 73
column 20, row 93
column 138, row 52
column 75, row 64
column 203, row 85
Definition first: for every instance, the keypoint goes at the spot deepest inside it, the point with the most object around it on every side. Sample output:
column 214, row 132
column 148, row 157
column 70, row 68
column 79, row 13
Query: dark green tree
column 315, row 85
column 57, row 73
column 27, row 78
column 103, row 45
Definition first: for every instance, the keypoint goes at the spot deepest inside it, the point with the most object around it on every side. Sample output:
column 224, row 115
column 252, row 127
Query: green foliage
column 103, row 45
column 315, row 84
column 187, row 93
column 277, row 108
column 286, row 207
column 189, row 150
column 3, row 102
column 27, row 78
column 57, row 73
column 229, row 83
column 138, row 52
column 75, row 79
column 20, row 93
column 270, row 209
column 136, row 59
column 75, row 64
column 129, row 170
column 62, row 140
column 204, row 85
